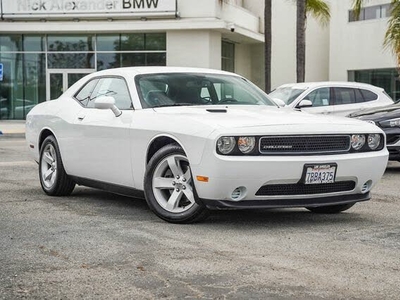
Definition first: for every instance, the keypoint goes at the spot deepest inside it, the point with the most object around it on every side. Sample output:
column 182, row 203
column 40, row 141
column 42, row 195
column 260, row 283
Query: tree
column 392, row 35
column 319, row 9
column 268, row 43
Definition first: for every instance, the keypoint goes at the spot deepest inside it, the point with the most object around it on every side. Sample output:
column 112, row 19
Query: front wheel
column 169, row 187
column 54, row 180
column 331, row 209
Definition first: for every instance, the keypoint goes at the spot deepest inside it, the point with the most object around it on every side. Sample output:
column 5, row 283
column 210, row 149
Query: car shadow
column 393, row 167
column 282, row 217
column 117, row 206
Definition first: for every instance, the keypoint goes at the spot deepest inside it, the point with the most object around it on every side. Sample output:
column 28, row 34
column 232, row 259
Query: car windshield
column 182, row 89
column 286, row 94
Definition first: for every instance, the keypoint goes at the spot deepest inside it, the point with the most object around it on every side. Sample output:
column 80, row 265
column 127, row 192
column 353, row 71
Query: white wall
column 195, row 48
column 284, row 46
column 243, row 60
column 357, row 45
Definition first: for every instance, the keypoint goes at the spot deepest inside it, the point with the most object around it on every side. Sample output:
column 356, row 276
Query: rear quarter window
column 368, row 95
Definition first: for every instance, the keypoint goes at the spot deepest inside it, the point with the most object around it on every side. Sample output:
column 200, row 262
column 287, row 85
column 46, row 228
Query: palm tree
column 319, row 9
column 268, row 43
column 392, row 35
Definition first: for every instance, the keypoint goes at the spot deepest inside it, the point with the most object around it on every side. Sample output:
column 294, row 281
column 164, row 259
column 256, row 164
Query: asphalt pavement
column 97, row 245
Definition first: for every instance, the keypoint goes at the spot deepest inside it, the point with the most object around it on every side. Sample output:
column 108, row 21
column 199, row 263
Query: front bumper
column 285, row 203
column 227, row 174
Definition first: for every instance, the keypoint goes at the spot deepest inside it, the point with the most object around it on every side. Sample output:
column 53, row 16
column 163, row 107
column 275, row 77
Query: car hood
column 234, row 117
column 378, row 113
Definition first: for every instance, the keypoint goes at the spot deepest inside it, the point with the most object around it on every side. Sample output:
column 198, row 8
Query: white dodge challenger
column 193, row 140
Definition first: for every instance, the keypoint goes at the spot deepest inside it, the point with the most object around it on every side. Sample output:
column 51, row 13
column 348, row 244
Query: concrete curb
column 12, row 129
column 18, row 135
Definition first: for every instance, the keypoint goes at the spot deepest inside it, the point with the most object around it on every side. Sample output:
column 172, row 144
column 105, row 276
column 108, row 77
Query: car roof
column 158, row 70
column 307, row 85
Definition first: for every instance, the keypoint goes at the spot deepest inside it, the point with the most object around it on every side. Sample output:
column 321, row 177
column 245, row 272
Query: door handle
column 81, row 117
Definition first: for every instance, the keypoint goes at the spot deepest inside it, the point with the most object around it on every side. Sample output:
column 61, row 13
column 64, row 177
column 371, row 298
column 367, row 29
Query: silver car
column 338, row 98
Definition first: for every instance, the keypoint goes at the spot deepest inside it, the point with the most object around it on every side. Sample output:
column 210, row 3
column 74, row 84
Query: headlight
column 391, row 123
column 373, row 141
column 246, row 144
column 357, row 141
column 226, row 144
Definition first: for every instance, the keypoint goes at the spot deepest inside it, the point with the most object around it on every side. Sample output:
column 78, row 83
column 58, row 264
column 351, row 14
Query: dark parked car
column 387, row 118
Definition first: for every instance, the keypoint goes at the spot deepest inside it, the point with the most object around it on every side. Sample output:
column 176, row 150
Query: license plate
column 319, row 174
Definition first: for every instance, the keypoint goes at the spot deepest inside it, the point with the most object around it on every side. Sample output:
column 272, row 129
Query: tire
column 331, row 209
column 169, row 187
column 53, row 179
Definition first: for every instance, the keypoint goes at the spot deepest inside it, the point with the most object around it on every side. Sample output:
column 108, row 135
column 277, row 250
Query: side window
column 359, row 96
column 368, row 95
column 114, row 87
column 344, row 95
column 83, row 96
column 319, row 97
column 205, row 93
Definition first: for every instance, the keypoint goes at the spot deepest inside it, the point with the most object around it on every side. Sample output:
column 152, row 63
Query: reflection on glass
column 70, row 43
column 384, row 78
column 108, row 61
column 56, row 85
column 108, row 42
column 228, row 56
column 133, row 59
column 70, row 61
column 156, row 41
column 11, row 42
column 156, row 59
column 133, row 41
column 34, row 43
column 35, row 80
column 11, row 88
column 74, row 77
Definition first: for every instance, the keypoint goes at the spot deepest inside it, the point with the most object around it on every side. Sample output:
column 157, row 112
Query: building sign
column 87, row 8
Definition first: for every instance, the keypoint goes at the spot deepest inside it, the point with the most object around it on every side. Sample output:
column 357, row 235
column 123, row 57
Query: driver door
column 103, row 140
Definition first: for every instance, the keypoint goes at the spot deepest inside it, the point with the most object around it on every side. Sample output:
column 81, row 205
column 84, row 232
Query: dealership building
column 47, row 45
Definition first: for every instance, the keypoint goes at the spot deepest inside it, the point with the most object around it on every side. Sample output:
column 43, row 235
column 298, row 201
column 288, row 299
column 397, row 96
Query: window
column 83, row 95
column 319, row 97
column 114, row 87
column 286, row 94
column 27, row 57
column 228, row 57
column 368, row 95
column 371, row 12
column 344, row 95
column 174, row 89
column 126, row 50
column 61, row 43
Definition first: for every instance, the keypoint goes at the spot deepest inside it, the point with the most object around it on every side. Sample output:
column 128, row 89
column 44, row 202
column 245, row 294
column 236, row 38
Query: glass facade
column 388, row 79
column 34, row 66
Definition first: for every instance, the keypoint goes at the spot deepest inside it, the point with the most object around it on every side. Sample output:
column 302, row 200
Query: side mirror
column 279, row 102
column 304, row 103
column 107, row 102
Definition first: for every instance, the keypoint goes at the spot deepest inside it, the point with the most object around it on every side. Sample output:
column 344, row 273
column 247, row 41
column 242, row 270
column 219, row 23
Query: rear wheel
column 54, row 180
column 169, row 187
column 331, row 209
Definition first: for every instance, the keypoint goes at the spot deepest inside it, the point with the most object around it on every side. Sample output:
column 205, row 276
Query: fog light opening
column 239, row 193
column 366, row 187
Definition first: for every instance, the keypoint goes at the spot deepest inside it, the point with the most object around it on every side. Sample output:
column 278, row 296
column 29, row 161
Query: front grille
column 307, row 144
column 305, row 189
